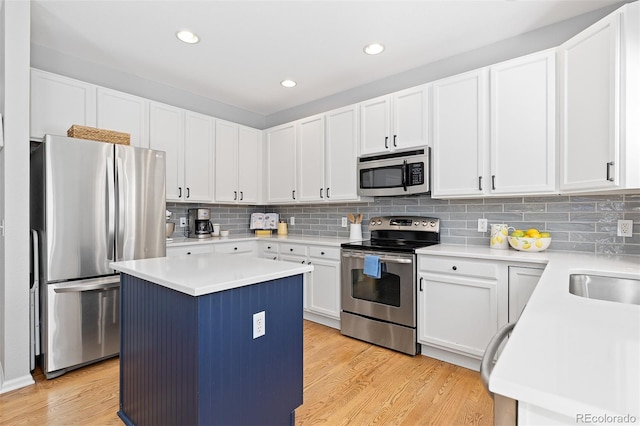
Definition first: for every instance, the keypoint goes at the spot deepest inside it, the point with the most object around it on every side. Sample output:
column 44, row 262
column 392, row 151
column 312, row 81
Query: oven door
column 391, row 298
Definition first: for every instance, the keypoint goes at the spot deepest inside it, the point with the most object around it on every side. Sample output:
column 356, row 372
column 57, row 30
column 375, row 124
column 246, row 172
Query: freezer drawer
column 83, row 323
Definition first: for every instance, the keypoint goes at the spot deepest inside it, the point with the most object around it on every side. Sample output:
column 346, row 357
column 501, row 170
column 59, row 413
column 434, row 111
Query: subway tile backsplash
column 577, row 223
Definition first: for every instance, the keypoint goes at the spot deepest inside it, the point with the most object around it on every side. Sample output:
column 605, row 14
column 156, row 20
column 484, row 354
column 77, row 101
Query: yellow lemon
column 545, row 235
column 517, row 233
column 539, row 244
column 532, row 231
column 533, row 235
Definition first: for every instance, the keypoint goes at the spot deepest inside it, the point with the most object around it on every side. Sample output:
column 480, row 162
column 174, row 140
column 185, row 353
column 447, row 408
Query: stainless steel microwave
column 403, row 172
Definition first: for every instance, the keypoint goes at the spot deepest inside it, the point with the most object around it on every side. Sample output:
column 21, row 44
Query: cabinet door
column 198, row 156
column 324, row 291
column 410, row 117
column 523, row 116
column 248, row 164
column 124, row 113
column 226, row 162
column 375, row 115
column 324, row 288
column 459, row 139
column 522, row 282
column 306, row 279
column 58, row 102
column 455, row 313
column 281, row 164
column 310, row 149
column 166, row 133
column 590, row 75
column 341, row 154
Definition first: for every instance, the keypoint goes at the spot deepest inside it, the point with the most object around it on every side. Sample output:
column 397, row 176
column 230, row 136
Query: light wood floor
column 346, row 381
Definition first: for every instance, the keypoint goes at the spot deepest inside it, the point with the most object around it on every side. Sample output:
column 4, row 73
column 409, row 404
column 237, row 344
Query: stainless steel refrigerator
column 91, row 203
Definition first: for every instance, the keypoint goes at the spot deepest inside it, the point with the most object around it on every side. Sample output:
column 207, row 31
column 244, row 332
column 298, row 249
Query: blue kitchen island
column 188, row 355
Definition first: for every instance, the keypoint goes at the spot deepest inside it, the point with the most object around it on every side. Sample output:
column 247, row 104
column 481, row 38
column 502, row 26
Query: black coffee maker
column 199, row 225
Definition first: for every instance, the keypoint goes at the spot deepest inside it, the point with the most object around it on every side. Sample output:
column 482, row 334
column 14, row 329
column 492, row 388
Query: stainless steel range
column 379, row 281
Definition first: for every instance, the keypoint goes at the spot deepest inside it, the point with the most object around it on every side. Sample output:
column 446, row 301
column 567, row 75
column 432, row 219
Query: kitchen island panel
column 193, row 360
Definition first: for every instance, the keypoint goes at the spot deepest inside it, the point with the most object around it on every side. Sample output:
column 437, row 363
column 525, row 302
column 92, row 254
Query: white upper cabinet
column 123, row 112
column 341, row 154
column 198, row 157
column 59, row 102
column 187, row 139
column 310, row 151
column 459, row 135
column 523, row 125
column 502, row 143
column 166, row 133
column 600, row 140
column 281, row 163
column 394, row 121
column 236, row 163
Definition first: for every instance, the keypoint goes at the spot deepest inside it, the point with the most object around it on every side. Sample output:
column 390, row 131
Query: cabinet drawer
column 293, row 249
column 188, row 250
column 459, row 267
column 238, row 247
column 325, row 252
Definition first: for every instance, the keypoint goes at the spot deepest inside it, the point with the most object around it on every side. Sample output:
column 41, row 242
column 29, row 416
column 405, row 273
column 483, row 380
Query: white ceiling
column 248, row 47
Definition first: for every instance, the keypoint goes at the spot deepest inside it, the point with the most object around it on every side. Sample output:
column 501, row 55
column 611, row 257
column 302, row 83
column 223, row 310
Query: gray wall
column 577, row 223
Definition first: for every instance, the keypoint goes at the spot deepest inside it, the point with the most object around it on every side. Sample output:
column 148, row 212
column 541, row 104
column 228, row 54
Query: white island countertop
column 568, row 354
column 206, row 273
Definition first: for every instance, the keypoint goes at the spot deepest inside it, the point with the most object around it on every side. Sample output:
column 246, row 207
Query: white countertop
column 291, row 238
column 201, row 274
column 568, row 354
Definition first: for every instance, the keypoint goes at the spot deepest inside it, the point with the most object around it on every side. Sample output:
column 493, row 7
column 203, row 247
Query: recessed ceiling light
column 288, row 83
column 373, row 49
column 187, row 36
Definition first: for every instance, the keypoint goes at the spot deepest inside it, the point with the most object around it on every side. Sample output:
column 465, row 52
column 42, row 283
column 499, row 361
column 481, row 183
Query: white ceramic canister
column 355, row 231
column 499, row 232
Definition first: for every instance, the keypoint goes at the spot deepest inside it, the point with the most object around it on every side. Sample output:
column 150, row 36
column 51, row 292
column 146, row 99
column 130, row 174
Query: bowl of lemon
column 529, row 240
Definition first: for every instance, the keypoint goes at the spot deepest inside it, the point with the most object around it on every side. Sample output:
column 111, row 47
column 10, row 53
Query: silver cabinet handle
column 328, row 196
column 609, row 176
column 241, row 195
column 235, row 195
column 487, row 360
column 421, row 280
column 121, row 209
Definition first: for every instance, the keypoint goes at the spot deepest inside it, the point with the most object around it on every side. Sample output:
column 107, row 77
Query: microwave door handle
column 405, row 168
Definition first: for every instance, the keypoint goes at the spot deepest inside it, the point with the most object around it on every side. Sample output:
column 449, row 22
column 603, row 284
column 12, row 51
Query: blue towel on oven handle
column 372, row 266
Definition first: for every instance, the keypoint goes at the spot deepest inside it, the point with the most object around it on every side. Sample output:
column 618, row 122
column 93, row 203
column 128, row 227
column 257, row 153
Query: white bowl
column 529, row 244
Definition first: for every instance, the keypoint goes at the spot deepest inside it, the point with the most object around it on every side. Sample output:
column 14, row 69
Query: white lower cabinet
column 461, row 304
column 522, row 282
column 321, row 302
column 323, row 297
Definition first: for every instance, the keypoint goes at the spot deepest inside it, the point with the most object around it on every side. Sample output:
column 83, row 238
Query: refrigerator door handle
column 111, row 209
column 121, row 206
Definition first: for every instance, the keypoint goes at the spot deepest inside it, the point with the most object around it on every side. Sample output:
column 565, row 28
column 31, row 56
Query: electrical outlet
column 292, row 220
column 625, row 228
column 344, row 222
column 258, row 325
column 482, row 225
column 183, row 222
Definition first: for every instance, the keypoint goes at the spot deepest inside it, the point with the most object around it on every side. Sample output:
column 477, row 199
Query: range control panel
column 406, row 223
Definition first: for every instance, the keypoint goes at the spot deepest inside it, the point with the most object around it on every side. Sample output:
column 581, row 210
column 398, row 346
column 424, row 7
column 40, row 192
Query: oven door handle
column 382, row 258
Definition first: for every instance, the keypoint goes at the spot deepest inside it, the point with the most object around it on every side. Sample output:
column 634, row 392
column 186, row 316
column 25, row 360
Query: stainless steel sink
column 613, row 289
